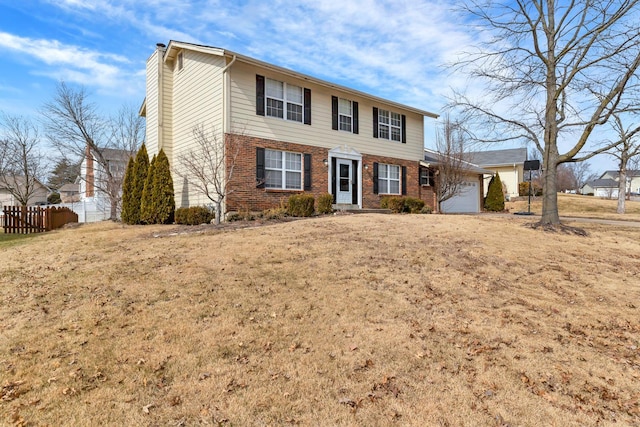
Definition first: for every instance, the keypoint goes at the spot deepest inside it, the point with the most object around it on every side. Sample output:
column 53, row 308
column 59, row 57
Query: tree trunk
column 622, row 188
column 218, row 212
column 550, row 214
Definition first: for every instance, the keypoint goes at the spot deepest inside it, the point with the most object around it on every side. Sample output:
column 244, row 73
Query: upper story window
column 389, row 125
column 180, row 60
column 344, row 114
column 282, row 100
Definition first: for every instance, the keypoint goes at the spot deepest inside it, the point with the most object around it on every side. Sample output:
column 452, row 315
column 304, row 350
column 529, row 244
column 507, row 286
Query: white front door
column 344, row 177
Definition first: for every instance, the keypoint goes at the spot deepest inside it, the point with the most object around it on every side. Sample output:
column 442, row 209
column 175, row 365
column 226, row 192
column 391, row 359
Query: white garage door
column 466, row 201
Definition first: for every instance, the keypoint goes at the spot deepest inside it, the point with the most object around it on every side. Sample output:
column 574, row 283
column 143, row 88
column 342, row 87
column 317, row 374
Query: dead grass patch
column 347, row 320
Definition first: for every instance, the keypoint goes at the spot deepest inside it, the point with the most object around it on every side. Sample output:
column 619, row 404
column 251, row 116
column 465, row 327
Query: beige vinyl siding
column 167, row 113
column 197, row 99
column 151, row 139
column 320, row 133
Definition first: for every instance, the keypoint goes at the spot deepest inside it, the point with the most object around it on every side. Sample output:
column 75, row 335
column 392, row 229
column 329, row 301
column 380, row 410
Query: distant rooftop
column 498, row 157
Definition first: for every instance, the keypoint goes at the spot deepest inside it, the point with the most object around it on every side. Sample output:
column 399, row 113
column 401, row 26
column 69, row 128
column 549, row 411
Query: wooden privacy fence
column 35, row 219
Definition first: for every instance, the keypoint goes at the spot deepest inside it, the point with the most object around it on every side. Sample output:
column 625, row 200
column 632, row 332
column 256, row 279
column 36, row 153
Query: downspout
column 226, row 110
column 226, row 115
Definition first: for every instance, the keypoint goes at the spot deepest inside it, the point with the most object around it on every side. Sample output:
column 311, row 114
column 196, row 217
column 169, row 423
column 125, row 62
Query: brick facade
column 244, row 195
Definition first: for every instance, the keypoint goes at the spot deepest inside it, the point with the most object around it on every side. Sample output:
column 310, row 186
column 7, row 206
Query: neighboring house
column 39, row 196
column 633, row 179
column 469, row 198
column 69, row 192
column 603, row 187
column 93, row 182
column 297, row 133
column 508, row 163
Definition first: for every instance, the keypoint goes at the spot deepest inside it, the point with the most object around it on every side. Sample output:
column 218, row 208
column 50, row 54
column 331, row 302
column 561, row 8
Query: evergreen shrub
column 494, row 201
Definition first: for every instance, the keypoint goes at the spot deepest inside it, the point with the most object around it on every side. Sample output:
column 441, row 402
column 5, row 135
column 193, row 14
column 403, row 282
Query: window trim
column 387, row 114
column 427, row 177
column 349, row 116
column 285, row 101
column 388, row 178
column 284, row 170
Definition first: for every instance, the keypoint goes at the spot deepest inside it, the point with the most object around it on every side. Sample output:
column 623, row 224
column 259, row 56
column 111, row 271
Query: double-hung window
column 388, row 179
column 282, row 96
column 389, row 125
column 345, row 115
column 283, row 170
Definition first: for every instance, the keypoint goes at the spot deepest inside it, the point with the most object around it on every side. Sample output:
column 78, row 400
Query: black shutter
column 375, row 122
column 375, row 178
column 259, row 95
column 354, row 186
column 259, row 167
column 307, row 172
column 307, row 106
column 354, row 112
column 404, row 129
column 404, row 180
column 333, row 178
column 334, row 112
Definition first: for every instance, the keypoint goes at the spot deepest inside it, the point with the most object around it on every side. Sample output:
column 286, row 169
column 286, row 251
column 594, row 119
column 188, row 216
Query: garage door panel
column 466, row 201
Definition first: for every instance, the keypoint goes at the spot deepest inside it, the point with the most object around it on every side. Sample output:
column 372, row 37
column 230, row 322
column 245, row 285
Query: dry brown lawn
column 367, row 320
column 575, row 205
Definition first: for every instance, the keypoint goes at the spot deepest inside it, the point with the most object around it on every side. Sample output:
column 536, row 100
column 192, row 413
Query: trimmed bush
column 402, row 204
column 494, row 201
column 325, row 203
column 301, row 205
column 426, row 210
column 413, row 205
column 194, row 215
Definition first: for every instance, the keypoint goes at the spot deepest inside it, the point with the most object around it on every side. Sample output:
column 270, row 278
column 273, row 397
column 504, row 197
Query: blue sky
column 394, row 49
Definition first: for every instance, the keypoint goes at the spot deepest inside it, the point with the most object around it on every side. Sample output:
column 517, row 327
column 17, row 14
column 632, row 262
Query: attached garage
column 469, row 198
column 466, row 201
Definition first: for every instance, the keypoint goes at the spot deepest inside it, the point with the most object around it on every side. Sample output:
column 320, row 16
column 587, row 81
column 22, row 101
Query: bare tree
column 553, row 72
column 581, row 174
column 452, row 167
column 21, row 162
column 76, row 128
column 626, row 150
column 210, row 165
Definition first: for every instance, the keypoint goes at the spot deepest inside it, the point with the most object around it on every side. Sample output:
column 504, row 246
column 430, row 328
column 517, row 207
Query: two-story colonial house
column 297, row 133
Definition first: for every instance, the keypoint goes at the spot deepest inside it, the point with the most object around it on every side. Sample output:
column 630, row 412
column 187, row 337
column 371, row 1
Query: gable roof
column 616, row 174
column 69, row 187
column 7, row 181
column 433, row 158
column 174, row 47
column 602, row 183
column 506, row 157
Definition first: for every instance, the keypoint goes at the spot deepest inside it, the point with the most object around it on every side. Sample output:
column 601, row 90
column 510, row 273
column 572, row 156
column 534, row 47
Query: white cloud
column 68, row 62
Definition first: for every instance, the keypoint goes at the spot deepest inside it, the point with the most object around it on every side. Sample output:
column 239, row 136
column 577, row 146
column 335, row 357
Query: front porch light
column 325, row 162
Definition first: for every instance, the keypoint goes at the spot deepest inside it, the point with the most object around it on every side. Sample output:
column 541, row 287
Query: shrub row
column 194, row 215
column 404, row 204
column 523, row 189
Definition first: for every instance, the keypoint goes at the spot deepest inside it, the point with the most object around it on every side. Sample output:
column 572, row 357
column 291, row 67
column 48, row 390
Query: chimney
column 90, row 178
column 161, row 46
